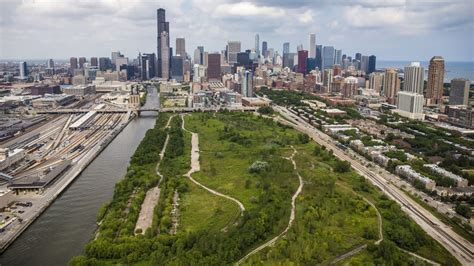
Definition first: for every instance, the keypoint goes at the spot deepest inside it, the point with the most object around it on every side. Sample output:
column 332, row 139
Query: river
column 63, row 230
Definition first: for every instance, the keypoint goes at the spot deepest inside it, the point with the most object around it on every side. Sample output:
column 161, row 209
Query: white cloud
column 244, row 9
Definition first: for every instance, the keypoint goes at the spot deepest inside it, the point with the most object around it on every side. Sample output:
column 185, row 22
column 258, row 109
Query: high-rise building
column 327, row 79
column 165, row 55
column 459, row 93
column 286, row 48
column 214, row 67
column 302, row 56
column 147, row 66
column 312, row 45
column 104, row 63
column 410, row 104
column 319, row 57
column 376, row 81
column 264, row 48
column 73, row 63
column 233, row 48
column 358, row 56
column 372, row 64
column 364, row 64
column 94, row 62
column 328, row 57
column 198, row 55
column 177, row 72
column 50, row 63
column 162, row 26
column 181, row 47
column 23, row 70
column 310, row 64
column 435, row 88
column 413, row 78
column 257, row 44
column 82, row 61
column 391, row 85
column 349, row 87
column 338, row 57
column 247, row 84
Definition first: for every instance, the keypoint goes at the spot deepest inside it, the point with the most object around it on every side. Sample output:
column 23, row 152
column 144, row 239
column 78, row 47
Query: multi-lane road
column 458, row 246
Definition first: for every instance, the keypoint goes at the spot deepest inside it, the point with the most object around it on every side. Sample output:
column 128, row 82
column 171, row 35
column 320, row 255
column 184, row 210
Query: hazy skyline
column 392, row 30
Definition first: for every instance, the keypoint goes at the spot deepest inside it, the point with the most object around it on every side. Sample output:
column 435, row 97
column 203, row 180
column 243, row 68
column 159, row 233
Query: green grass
column 201, row 210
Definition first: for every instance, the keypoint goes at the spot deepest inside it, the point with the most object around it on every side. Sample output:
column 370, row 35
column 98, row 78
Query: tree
column 265, row 110
column 303, row 138
column 342, row 166
column 464, row 210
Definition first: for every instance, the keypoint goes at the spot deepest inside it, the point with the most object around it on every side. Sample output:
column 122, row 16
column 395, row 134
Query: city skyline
column 355, row 28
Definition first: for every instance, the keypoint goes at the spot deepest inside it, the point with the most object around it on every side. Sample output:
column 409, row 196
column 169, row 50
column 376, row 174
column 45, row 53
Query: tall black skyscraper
column 162, row 25
column 372, row 62
column 264, row 48
column 319, row 57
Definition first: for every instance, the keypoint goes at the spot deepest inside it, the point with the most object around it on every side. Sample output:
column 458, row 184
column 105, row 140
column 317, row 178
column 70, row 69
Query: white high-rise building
column 410, row 104
column 165, row 55
column 23, row 70
column 312, row 45
column 414, row 78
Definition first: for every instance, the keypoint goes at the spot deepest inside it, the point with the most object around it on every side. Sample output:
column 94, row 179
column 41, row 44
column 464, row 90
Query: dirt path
column 145, row 218
column 196, row 167
column 292, row 214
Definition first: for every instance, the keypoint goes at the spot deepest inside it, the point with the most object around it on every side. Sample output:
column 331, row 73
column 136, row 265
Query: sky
column 390, row 29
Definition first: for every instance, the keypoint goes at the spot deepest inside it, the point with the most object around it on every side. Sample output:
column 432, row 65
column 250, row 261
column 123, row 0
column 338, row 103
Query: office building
column 247, row 84
column 121, row 62
column 264, row 49
column 460, row 115
column 372, row 64
column 358, row 56
column 50, row 63
column 310, row 64
column 181, row 47
column 233, row 48
column 257, row 44
column 104, row 63
column 327, row 79
column 391, row 85
column 214, row 67
column 165, row 54
column 23, row 70
column 162, row 26
column 312, row 45
column 410, row 105
column 147, row 66
column 459, row 93
column 414, row 78
column 435, row 86
column 338, row 57
column 286, row 48
column 94, row 62
column 319, row 57
column 328, row 57
column 302, row 56
column 82, row 61
column 73, row 63
column 364, row 64
column 198, row 55
column 177, row 72
column 349, row 87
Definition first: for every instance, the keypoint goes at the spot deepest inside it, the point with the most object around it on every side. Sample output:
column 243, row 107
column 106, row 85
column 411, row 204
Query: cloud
column 244, row 9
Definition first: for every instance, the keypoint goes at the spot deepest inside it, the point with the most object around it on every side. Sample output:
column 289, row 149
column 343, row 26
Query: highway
column 458, row 246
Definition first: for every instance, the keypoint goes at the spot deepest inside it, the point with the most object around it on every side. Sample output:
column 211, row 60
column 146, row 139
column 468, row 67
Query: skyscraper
column 181, row 47
column 214, row 67
column 302, row 56
column 82, row 61
column 391, row 85
column 23, row 70
column 312, row 45
column 410, row 104
column 319, row 56
column 177, row 72
column 257, row 44
column 264, row 48
column 162, row 26
column 94, row 62
column 459, row 93
column 413, row 78
column 233, row 48
column 50, row 63
column 364, row 63
column 286, row 48
column 328, row 57
column 372, row 64
column 147, row 66
column 338, row 57
column 73, row 63
column 376, row 81
column 247, row 84
column 434, row 90
column 165, row 55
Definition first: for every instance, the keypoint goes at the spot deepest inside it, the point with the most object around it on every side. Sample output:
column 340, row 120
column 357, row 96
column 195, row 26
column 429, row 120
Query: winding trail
column 196, row 167
column 145, row 218
column 292, row 214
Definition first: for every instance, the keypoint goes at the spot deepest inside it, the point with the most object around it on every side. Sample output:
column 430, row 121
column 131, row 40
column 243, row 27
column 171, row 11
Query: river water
column 62, row 231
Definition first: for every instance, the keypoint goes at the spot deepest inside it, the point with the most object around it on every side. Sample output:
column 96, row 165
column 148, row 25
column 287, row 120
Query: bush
column 265, row 110
column 258, row 166
column 342, row 166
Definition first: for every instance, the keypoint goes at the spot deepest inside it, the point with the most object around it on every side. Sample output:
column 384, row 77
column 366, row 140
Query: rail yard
column 36, row 165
